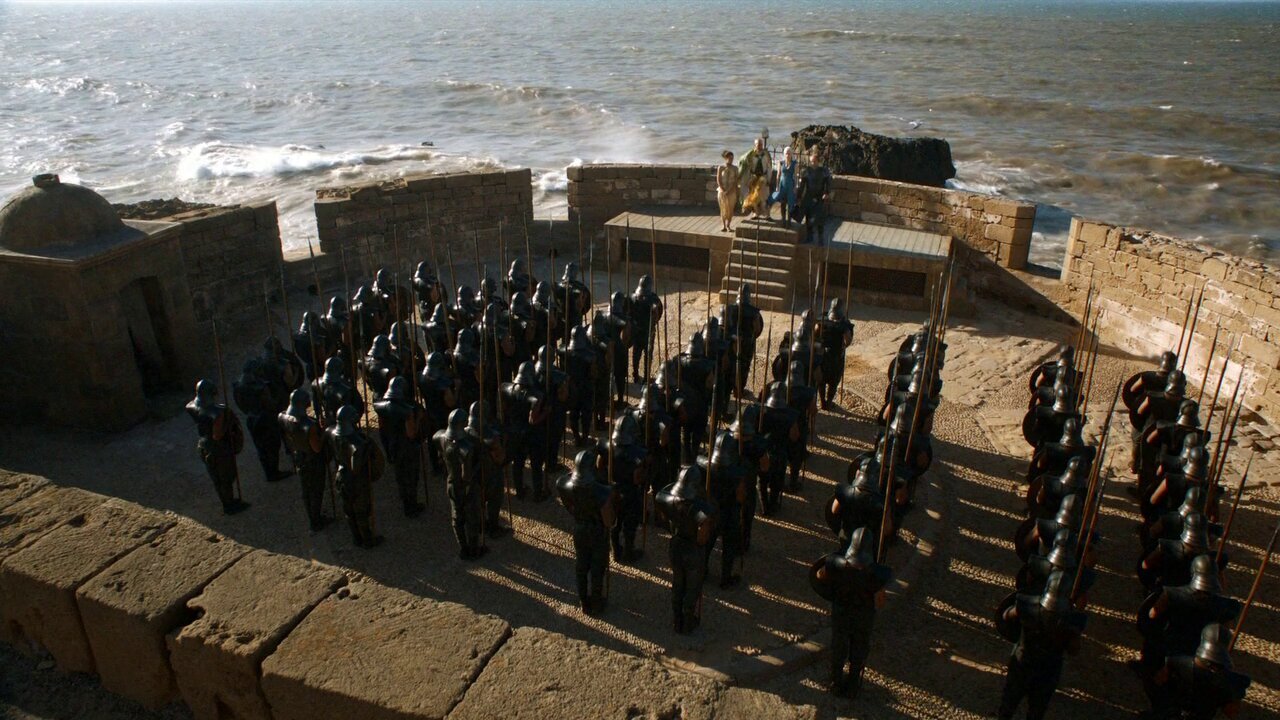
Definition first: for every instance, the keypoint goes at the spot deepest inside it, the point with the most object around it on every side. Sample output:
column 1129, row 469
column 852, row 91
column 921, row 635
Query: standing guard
column 754, row 450
column 221, row 439
column 559, row 393
column 368, row 318
column 466, row 359
column 786, row 445
column 493, row 459
column 727, row 477
column 691, row 518
column 854, row 583
column 313, row 344
column 304, row 439
column 656, row 429
column 580, row 362
column 360, row 464
column 744, row 321
column 646, row 314
column 403, row 425
column 439, row 395
column 428, row 290
column 1199, row 687
column 334, row 391
column 466, row 308
column 437, row 330
column 572, row 297
column 253, row 395
column 525, row 423
column 462, row 465
column 859, row 504
column 1046, row 628
column 518, row 279
column 627, row 466
column 395, row 300
column 592, row 503
column 380, row 365
column 835, row 334
column 546, row 320
column 602, row 340
column 696, row 376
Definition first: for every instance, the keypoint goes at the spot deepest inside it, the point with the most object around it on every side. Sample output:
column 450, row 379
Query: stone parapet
column 232, row 258
column 162, row 608
column 1145, row 282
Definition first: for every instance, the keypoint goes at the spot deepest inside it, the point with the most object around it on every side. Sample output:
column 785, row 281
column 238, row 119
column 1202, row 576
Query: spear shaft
column 222, row 384
column 1253, row 591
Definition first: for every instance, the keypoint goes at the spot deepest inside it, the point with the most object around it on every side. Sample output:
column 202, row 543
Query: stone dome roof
column 55, row 215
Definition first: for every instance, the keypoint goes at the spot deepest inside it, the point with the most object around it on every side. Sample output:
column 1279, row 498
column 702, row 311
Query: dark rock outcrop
column 157, row 209
column 850, row 151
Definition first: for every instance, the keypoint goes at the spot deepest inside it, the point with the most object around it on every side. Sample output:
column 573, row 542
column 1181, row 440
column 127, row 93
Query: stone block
column 1263, row 353
column 1214, row 268
column 738, row 703
column 999, row 233
column 243, row 615
column 417, row 657
column 16, row 486
column 130, row 607
column 540, row 674
column 38, row 583
column 574, row 173
column 1090, row 233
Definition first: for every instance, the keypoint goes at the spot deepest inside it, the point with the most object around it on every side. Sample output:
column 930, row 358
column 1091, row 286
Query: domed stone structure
column 95, row 312
column 55, row 216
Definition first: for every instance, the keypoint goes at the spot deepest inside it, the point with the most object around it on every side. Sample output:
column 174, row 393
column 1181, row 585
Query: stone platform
column 891, row 266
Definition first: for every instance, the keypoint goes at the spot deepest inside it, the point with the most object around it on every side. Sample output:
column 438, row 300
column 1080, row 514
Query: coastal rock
column 157, row 209
column 846, row 150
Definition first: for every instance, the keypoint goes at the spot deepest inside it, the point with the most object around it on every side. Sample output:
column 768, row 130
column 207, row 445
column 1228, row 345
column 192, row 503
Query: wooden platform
column 891, row 265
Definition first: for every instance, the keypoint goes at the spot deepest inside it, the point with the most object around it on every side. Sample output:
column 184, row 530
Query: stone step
column 770, row 230
column 767, row 274
column 766, row 246
column 748, row 257
column 764, row 302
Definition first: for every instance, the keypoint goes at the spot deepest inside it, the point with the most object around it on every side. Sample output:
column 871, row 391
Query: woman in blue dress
column 786, row 192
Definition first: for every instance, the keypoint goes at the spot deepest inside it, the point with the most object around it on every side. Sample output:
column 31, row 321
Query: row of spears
column 508, row 369
column 1185, row 620
column 879, row 489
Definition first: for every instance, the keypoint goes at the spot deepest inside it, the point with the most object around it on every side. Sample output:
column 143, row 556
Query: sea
column 1162, row 115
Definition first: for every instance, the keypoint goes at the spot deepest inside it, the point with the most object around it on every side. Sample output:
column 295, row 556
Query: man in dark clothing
column 591, row 502
column 814, row 190
column 253, row 395
column 854, row 583
column 360, row 464
column 690, row 517
column 1047, row 629
column 403, row 425
column 221, row 439
column 304, row 439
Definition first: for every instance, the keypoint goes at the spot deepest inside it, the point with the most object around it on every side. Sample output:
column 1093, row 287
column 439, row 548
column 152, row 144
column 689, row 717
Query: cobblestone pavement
column 935, row 653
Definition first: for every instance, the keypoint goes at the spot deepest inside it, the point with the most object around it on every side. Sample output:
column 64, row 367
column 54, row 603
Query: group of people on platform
column 754, row 185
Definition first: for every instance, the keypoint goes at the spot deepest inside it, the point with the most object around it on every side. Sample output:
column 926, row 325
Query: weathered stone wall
column 462, row 210
column 996, row 227
column 1145, row 282
column 232, row 255
column 163, row 609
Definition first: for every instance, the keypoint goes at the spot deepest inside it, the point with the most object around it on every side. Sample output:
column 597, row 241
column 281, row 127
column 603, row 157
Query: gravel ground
column 935, row 653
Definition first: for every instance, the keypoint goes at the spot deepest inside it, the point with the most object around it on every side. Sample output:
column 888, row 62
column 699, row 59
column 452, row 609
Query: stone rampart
column 232, row 255
column 163, row 609
column 370, row 222
column 1145, row 282
column 996, row 227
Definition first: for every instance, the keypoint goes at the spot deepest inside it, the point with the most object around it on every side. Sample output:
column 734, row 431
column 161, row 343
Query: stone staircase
column 770, row 245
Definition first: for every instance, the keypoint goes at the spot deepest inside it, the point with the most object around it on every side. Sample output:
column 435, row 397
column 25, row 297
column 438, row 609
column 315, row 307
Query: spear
column 315, row 371
column 764, row 380
column 222, row 384
column 891, row 456
column 1222, row 429
column 1213, row 347
column 1191, row 331
column 1226, row 360
column 1084, row 316
column 580, row 253
column 1088, row 538
column 653, row 273
column 1186, row 318
column 1253, row 591
column 284, row 298
column 1235, row 504
column 786, row 370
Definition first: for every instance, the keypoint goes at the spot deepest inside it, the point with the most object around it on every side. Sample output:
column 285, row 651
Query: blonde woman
column 727, row 189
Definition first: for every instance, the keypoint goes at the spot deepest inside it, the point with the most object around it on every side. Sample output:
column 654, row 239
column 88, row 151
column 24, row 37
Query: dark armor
column 221, row 439
column 854, row 584
column 304, row 439
column 360, row 464
column 253, row 396
column 403, row 425
column 683, row 507
column 592, row 505
column 462, row 460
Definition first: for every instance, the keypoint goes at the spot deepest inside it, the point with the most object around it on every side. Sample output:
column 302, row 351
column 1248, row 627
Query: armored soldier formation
column 492, row 388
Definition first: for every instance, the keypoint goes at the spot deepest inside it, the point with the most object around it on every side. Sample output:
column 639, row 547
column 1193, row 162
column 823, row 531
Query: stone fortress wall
column 163, row 609
column 232, row 257
column 1145, row 282
column 994, row 227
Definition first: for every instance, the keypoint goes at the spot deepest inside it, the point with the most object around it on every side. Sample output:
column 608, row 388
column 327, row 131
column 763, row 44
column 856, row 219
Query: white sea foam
column 225, row 160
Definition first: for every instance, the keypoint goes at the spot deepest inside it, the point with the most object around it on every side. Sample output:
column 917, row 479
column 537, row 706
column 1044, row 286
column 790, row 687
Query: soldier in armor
column 555, row 387
column 335, row 326
column 627, row 467
column 1169, row 525
column 1198, row 687
column 491, row 294
column 439, row 392
column 720, row 352
column 523, row 329
column 1046, row 627
column 545, row 315
column 466, row 308
column 1046, row 421
column 1034, row 575
column 835, row 334
column 1170, row 563
column 802, row 347
column 572, row 297
column 601, row 336
column 786, row 446
column 905, row 362
column 696, row 380
column 854, row 583
column 368, row 317
column 1176, row 483
column 518, row 279
column 466, row 357
column 282, row 371
column 1051, row 373
column 684, row 509
column 360, row 464
column 1052, row 458
column 438, row 330
column 620, row 334
column 313, row 344
column 500, row 348
column 380, row 365
column 487, row 437
column 462, row 467
column 591, row 502
column 646, row 314
column 580, row 365
column 403, row 346
column 525, row 410
column 333, row 391
column 1172, row 618
column 403, row 424
column 856, row 505
column 395, row 300
column 803, row 400
column 428, row 290
column 1045, row 493
column 754, row 450
column 727, row 476
column 253, row 396
column 1154, row 407
column 304, row 439
column 1136, row 388
column 658, row 434
column 745, row 323
column 221, row 439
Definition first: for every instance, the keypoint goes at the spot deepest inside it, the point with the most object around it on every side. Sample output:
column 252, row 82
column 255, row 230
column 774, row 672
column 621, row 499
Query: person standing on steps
column 785, row 194
column 813, row 192
column 754, row 171
column 727, row 190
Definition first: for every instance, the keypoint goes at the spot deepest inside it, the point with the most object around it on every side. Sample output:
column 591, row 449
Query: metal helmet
column 1062, row 375
column 777, row 396
column 617, row 303
column 570, row 273
column 1189, row 414
column 271, row 347
column 206, row 390
column 650, row 395
column 348, row 416
column 1062, row 401
column 542, row 294
column 1195, row 533
column 1075, row 469
column 1194, row 466
column 917, row 380
column 474, row 425
column 861, row 551
column 1192, row 502
column 697, row 346
column 919, row 342
column 645, row 286
column 901, row 425
column 457, row 428
column 599, row 325
column 488, row 288
column 337, row 306
column 835, row 309
column 1067, row 357
column 299, row 401
column 1215, row 640
column 690, row 483
column 334, row 369
column 363, row 294
column 466, row 298
column 380, row 347
column 726, row 450
column 423, row 272
column 744, row 293
column 578, row 339
column 1067, row 509
column 544, row 360
column 517, row 268
column 864, row 481
column 584, row 463
column 436, row 363
column 795, row 374
column 467, row 342
column 397, row 389
column 400, row 334
column 1063, row 554
column 1175, row 385
column 1071, row 435
column 526, row 375
column 520, row 306
column 1168, row 361
column 1057, row 590
column 383, row 278
column 745, row 423
column 308, row 324
column 625, row 430
column 437, row 315
column 1204, row 574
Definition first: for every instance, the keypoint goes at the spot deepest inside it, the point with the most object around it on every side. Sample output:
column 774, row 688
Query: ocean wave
column 64, row 86
column 891, row 37
column 211, row 160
